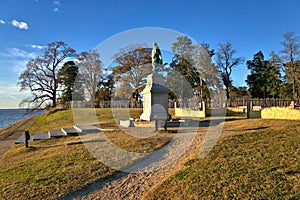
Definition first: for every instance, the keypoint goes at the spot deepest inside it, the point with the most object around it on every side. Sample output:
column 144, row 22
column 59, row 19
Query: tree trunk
column 227, row 92
column 294, row 89
column 54, row 99
column 201, row 88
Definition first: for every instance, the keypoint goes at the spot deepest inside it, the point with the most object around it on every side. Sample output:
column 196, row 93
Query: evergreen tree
column 67, row 76
column 106, row 87
column 274, row 81
column 264, row 79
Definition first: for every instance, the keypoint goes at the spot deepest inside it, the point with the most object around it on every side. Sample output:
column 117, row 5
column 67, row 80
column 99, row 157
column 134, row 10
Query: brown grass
column 255, row 159
column 52, row 168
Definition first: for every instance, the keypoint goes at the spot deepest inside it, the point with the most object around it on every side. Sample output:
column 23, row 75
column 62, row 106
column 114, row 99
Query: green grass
column 48, row 169
column 64, row 118
column 52, row 121
column 261, row 161
column 52, row 168
column 55, row 167
column 254, row 159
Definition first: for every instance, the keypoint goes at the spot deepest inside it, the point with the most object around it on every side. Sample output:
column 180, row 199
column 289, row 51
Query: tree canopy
column 67, row 78
column 90, row 69
column 290, row 57
column 133, row 65
column 196, row 70
column 41, row 74
column 194, row 63
column 264, row 80
column 226, row 61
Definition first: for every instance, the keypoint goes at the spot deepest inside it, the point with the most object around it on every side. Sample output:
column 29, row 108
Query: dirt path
column 123, row 185
column 11, row 134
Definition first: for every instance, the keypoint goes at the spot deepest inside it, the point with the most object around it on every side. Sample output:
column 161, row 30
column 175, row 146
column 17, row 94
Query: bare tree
column 208, row 72
column 133, row 66
column 194, row 63
column 226, row 62
column 90, row 68
column 290, row 55
column 40, row 75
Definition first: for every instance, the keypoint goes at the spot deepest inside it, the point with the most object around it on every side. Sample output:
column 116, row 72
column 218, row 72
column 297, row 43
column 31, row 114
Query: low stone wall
column 179, row 112
column 280, row 113
column 255, row 114
column 237, row 109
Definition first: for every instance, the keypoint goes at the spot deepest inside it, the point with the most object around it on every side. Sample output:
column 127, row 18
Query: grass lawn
column 54, row 167
column 259, row 160
column 64, row 118
column 254, row 159
column 48, row 169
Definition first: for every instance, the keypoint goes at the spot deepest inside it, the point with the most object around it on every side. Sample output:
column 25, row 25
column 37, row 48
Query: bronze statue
column 156, row 56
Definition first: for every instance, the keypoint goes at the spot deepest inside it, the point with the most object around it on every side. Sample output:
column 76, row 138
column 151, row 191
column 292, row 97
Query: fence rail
column 187, row 103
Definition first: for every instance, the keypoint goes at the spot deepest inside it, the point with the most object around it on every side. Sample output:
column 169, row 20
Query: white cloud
column 14, row 60
column 19, row 25
column 17, row 53
column 12, row 67
column 18, row 66
column 56, row 4
column 10, row 95
column 2, row 21
column 37, row 46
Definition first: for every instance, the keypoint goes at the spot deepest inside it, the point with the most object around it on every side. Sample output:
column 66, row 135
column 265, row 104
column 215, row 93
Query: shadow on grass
column 133, row 168
column 138, row 164
column 215, row 122
column 97, row 185
column 85, row 142
column 257, row 128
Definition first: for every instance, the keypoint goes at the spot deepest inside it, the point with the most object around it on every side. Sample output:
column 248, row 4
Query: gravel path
column 122, row 185
column 9, row 136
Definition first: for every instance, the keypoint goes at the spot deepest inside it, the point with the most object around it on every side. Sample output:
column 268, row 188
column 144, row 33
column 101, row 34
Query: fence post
column 27, row 138
column 248, row 108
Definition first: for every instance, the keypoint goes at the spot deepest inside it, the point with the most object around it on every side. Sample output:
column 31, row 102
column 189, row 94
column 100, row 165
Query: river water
column 10, row 116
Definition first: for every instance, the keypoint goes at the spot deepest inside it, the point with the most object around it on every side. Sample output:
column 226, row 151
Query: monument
column 155, row 94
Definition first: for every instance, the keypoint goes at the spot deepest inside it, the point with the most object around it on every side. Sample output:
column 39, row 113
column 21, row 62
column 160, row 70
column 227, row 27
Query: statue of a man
column 156, row 56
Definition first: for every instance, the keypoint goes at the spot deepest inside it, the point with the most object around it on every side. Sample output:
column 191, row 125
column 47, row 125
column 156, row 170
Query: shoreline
column 11, row 127
column 7, row 131
column 10, row 134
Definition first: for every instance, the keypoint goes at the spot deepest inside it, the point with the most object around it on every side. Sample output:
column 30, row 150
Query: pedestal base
column 155, row 99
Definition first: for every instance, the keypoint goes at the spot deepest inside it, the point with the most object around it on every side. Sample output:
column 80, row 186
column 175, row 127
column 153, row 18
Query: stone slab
column 21, row 139
column 40, row 136
column 56, row 134
column 70, row 131
column 104, row 129
column 87, row 128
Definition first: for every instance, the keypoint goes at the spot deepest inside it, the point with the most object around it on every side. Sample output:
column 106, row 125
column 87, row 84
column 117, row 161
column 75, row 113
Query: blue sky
column 26, row 26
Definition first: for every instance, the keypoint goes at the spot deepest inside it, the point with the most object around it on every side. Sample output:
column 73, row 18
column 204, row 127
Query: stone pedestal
column 155, row 99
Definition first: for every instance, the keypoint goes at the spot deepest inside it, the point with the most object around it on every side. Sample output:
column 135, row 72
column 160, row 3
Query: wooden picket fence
column 187, row 103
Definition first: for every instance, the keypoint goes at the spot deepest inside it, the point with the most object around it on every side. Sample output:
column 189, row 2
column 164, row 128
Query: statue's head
column 155, row 45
